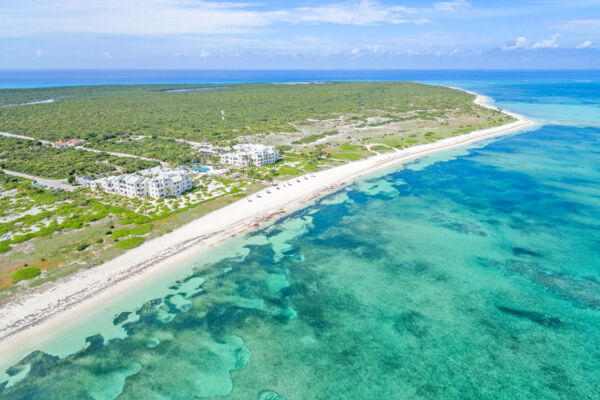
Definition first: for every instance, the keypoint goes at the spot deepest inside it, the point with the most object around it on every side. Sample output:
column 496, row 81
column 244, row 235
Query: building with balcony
column 250, row 154
column 156, row 182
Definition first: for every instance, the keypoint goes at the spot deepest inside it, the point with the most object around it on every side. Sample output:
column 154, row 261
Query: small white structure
column 255, row 154
column 156, row 182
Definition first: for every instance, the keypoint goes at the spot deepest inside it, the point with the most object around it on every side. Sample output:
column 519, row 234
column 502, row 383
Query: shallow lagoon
column 473, row 274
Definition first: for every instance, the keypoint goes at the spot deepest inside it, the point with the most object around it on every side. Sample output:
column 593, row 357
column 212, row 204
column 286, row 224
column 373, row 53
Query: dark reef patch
column 558, row 381
column 582, row 292
column 539, row 318
column 469, row 229
column 412, row 322
column 122, row 317
column 520, row 251
column 363, row 248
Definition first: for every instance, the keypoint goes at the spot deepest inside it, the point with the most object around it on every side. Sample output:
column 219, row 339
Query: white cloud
column 584, row 45
column 363, row 12
column 451, row 6
column 521, row 43
column 179, row 17
column 552, row 43
column 421, row 21
column 584, row 22
column 547, row 43
column 131, row 17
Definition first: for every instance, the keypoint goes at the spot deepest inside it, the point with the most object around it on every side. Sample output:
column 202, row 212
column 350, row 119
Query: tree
column 71, row 179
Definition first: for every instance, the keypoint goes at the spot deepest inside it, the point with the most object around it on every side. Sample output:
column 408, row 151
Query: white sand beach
column 50, row 305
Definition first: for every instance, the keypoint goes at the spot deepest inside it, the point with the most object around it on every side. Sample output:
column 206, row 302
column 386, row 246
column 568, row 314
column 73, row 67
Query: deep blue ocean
column 470, row 274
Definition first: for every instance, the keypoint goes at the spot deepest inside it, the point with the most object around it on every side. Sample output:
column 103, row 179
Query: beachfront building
column 156, row 182
column 251, row 154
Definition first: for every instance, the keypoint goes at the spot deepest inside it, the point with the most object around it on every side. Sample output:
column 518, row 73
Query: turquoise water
column 45, row 78
column 471, row 274
column 201, row 169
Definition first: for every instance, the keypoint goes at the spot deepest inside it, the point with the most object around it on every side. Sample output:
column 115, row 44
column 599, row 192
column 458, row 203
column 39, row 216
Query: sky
column 309, row 34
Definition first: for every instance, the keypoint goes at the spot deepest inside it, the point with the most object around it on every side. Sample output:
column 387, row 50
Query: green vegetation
column 130, row 243
column 380, row 148
column 133, row 218
column 83, row 246
column 138, row 230
column 34, row 158
column 5, row 246
column 75, row 213
column 108, row 112
column 145, row 119
column 349, row 152
column 287, row 170
column 26, row 274
column 9, row 182
column 315, row 137
column 166, row 149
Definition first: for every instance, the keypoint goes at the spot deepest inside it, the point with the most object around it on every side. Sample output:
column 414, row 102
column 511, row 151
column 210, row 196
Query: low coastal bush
column 4, row 246
column 26, row 274
column 137, row 230
column 346, row 156
column 133, row 218
column 83, row 246
column 78, row 213
column 130, row 243
column 287, row 170
column 141, row 229
column 380, row 148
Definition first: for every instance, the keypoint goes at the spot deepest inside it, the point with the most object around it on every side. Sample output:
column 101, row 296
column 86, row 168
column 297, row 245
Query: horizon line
column 297, row 69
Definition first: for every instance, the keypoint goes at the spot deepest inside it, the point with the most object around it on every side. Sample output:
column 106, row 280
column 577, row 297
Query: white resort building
column 255, row 154
column 155, row 182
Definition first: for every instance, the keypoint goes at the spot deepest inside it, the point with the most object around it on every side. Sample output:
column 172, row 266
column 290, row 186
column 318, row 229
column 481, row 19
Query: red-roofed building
column 76, row 142
column 60, row 145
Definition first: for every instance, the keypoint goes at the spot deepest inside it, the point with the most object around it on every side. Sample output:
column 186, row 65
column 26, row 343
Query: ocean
column 469, row 274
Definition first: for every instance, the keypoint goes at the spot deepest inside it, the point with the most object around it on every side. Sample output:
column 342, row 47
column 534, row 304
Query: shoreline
column 52, row 305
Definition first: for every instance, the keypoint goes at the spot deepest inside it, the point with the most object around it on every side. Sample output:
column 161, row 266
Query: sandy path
column 51, row 183
column 46, row 307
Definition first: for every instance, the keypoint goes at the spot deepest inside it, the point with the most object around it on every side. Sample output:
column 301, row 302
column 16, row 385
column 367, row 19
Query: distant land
column 52, row 78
